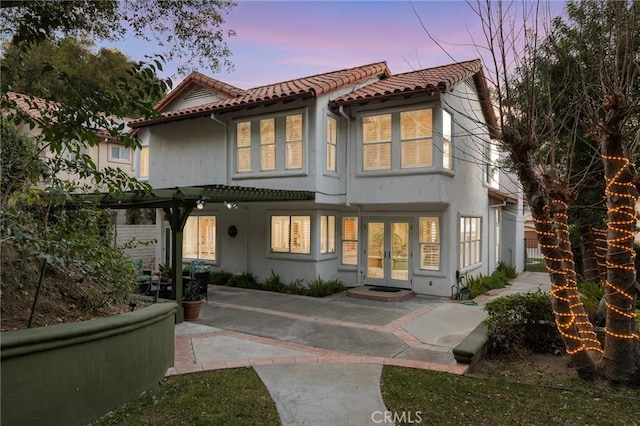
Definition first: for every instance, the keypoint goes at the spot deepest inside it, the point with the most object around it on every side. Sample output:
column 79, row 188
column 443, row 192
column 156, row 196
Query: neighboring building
column 109, row 152
column 401, row 167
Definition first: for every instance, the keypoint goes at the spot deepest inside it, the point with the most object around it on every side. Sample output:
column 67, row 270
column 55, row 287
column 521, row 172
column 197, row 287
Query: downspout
column 224, row 124
column 347, row 168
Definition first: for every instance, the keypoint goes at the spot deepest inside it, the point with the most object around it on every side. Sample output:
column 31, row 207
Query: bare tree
column 562, row 88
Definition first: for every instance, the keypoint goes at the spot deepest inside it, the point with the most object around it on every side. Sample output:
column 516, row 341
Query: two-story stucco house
column 400, row 168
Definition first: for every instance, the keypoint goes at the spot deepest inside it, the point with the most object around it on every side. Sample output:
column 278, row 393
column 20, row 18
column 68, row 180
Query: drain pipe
column 347, row 167
column 226, row 133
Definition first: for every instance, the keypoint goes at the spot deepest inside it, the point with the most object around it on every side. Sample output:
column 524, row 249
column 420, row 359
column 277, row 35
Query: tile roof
column 311, row 86
column 33, row 106
column 441, row 79
column 431, row 80
column 202, row 80
column 38, row 108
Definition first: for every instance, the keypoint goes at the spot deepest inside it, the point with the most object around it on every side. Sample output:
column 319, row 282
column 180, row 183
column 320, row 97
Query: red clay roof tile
column 311, row 86
column 439, row 79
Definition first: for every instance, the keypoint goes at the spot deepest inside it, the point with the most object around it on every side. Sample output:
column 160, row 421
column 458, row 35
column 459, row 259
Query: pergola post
column 177, row 217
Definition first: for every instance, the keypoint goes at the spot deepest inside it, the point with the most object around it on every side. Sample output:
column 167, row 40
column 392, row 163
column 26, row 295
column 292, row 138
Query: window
column 332, row 143
column 327, row 234
column 430, row 243
column 291, row 234
column 497, row 233
column 199, row 238
column 469, row 241
column 447, row 155
column 143, row 172
column 119, row 153
column 415, row 138
column 493, row 172
column 293, row 141
column 243, row 146
column 350, row 240
column 376, row 139
column 275, row 143
column 409, row 132
column 268, row 144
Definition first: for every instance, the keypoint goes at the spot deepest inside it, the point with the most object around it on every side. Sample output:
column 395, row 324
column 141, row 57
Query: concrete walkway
column 321, row 359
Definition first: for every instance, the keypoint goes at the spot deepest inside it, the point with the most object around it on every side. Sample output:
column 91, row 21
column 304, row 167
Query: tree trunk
column 537, row 198
column 589, row 260
column 601, row 252
column 622, row 344
column 561, row 224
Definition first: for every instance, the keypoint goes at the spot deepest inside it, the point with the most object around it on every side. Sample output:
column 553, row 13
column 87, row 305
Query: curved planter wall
column 70, row 374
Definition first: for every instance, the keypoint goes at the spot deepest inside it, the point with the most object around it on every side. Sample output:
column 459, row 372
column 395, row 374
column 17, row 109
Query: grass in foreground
column 443, row 398
column 222, row 397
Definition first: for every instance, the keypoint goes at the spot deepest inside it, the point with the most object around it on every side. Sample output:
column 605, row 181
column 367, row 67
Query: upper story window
column 415, row 138
column 243, row 144
column 119, row 153
column 410, row 132
column 376, row 140
column 293, row 141
column 143, row 170
column 493, row 172
column 274, row 143
column 447, row 154
column 332, row 143
column 268, row 144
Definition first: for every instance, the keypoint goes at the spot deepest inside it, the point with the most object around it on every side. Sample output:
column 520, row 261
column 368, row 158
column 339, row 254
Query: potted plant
column 191, row 300
column 165, row 271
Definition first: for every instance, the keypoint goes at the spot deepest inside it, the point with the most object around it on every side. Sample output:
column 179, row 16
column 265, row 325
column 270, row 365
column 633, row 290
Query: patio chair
column 144, row 280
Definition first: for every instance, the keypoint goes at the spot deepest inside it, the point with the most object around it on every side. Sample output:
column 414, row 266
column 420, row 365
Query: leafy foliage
column 243, row 280
column 190, row 30
column 322, row 288
column 46, row 69
column 220, row 277
column 520, row 321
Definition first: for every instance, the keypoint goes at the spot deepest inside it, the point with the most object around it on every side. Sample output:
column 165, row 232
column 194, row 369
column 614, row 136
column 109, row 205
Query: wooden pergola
column 178, row 203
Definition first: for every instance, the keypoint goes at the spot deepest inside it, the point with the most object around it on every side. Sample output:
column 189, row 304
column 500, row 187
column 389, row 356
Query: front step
column 380, row 294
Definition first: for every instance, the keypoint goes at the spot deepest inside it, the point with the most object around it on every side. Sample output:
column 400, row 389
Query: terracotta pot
column 191, row 309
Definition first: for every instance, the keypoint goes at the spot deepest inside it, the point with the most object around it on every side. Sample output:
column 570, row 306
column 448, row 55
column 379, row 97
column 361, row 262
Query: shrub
column 506, row 271
column 296, row 287
column 274, row 283
column 220, row 277
column 522, row 321
column 243, row 280
column 476, row 285
column 321, row 288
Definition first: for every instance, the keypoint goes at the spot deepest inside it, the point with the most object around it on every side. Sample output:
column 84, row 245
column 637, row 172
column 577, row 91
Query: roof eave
column 208, row 111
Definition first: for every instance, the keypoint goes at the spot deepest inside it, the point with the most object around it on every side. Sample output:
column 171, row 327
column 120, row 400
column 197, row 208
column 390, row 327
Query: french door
column 387, row 252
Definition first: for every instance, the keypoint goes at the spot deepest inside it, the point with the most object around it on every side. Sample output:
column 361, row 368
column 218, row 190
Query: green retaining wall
column 71, row 374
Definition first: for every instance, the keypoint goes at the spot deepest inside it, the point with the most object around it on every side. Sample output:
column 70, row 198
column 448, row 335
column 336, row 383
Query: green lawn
column 237, row 397
column 222, row 397
column 446, row 399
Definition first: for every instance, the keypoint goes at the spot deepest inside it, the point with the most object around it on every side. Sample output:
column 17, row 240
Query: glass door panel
column 376, row 250
column 399, row 251
column 387, row 253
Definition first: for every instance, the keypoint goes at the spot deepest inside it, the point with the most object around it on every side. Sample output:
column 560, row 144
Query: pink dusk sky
column 282, row 40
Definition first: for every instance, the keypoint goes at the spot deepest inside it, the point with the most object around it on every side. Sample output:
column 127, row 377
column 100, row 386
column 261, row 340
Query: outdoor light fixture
column 231, row 205
column 200, row 204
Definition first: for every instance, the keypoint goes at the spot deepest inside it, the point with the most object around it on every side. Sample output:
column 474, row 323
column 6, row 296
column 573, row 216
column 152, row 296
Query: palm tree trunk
column 622, row 344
